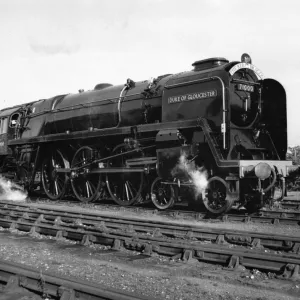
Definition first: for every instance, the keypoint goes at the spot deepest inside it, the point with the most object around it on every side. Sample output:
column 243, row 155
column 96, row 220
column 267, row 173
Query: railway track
column 85, row 221
column 266, row 216
column 288, row 211
column 52, row 286
column 226, row 247
column 290, row 204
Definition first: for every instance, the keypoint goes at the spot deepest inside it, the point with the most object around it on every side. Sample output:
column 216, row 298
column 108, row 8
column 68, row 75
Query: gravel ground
column 151, row 276
column 156, row 276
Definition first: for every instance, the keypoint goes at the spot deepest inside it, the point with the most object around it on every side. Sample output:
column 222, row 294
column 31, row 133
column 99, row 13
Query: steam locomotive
column 216, row 135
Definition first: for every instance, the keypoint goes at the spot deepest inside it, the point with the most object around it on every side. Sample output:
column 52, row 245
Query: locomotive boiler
column 216, row 135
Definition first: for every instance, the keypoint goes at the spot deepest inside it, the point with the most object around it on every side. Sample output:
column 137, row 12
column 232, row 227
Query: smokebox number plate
column 245, row 88
column 192, row 96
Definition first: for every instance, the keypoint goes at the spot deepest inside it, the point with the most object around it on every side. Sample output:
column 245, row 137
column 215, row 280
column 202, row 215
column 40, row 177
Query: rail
column 150, row 236
column 58, row 287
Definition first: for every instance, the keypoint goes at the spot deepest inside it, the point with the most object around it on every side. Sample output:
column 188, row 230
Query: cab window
column 14, row 120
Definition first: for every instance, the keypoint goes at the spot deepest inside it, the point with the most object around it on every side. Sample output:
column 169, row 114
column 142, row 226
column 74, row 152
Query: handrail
column 202, row 122
column 207, row 132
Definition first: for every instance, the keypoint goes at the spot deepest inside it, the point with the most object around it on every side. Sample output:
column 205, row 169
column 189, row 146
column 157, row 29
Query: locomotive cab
column 8, row 120
column 3, row 135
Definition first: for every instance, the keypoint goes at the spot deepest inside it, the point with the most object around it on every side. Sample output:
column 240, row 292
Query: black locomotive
column 216, row 135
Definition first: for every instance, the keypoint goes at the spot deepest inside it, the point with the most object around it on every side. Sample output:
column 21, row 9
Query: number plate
column 245, row 88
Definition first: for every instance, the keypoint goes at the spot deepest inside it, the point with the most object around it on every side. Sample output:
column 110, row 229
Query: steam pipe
column 223, row 126
column 119, row 104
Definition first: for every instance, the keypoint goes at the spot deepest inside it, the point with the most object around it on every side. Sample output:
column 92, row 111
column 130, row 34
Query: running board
column 105, row 170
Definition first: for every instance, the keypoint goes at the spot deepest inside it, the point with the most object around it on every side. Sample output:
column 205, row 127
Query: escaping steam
column 197, row 175
column 11, row 191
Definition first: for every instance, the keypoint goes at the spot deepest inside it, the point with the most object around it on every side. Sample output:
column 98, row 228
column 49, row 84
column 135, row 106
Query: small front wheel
column 162, row 195
column 216, row 196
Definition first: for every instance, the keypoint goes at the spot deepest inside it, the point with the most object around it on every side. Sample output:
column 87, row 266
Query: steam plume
column 197, row 175
column 11, row 191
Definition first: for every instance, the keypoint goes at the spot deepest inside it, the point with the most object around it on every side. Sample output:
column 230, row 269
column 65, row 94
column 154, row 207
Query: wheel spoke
column 87, row 189
column 127, row 191
column 53, row 163
column 92, row 186
column 130, row 187
column 165, row 199
column 60, row 181
column 56, row 187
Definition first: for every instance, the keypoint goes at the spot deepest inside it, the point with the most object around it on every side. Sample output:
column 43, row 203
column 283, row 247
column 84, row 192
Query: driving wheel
column 86, row 186
column 124, row 188
column 54, row 183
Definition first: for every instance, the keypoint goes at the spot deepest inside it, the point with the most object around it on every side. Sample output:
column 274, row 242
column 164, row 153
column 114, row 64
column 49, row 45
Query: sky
column 51, row 47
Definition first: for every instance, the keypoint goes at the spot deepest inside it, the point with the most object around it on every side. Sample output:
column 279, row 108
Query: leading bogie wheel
column 215, row 197
column 162, row 195
column 55, row 183
column 124, row 188
column 86, row 186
